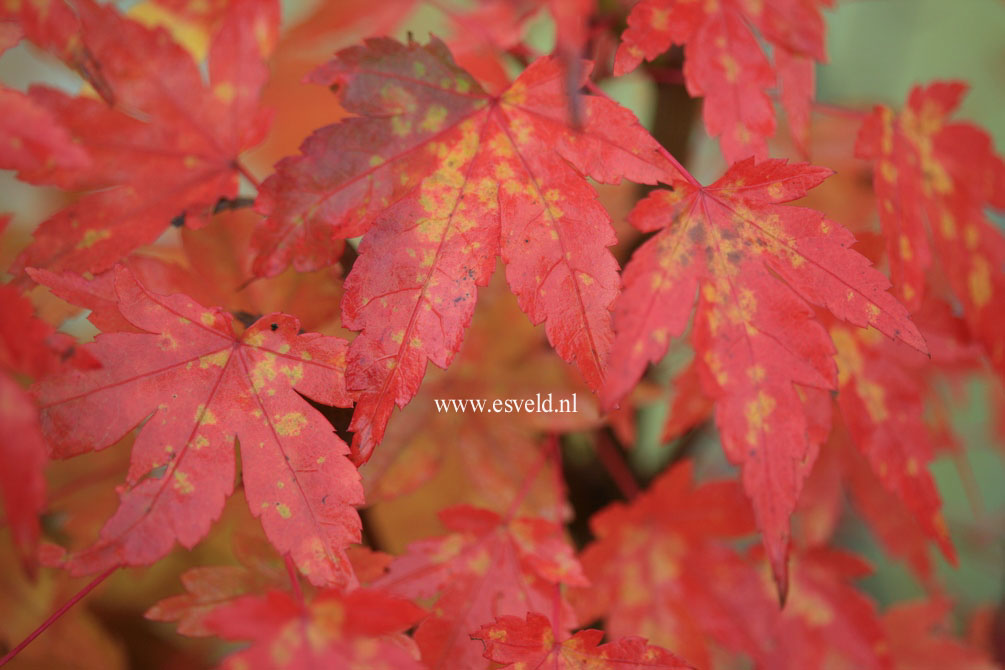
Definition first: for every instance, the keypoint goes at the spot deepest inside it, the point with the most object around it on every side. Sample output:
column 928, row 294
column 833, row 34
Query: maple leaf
column 757, row 265
column 354, row 629
column 661, row 568
column 487, row 566
column 162, row 142
column 211, row 267
column 533, row 643
column 196, row 387
column 23, row 459
column 29, row 134
column 449, row 177
column 28, row 347
column 726, row 64
column 916, row 642
column 929, row 170
column 827, row 622
column 882, row 405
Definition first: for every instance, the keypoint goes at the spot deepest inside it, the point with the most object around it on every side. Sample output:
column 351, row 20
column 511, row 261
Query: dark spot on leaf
column 274, row 326
column 178, row 221
column 697, row 234
column 245, row 318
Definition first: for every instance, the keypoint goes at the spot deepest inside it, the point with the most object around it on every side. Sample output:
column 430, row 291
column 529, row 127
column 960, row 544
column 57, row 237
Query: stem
column 614, row 462
column 291, row 570
column 680, row 168
column 58, row 613
column 239, row 166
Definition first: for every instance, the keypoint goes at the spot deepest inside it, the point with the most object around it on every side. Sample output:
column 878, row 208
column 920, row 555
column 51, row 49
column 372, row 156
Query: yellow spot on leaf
column 204, row 416
column 224, row 92
column 660, row 19
column 433, row 121
column 905, row 248
column 92, row 237
column 182, row 484
column 979, row 282
column 290, row 424
column 757, row 411
column 219, row 359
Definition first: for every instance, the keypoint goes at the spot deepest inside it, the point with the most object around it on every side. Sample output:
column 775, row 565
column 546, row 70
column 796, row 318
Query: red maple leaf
column 756, row 265
column 28, row 347
column 486, row 567
column 162, row 142
column 22, row 462
column 882, row 404
column 29, row 135
column 919, row 639
column 661, row 567
column 533, row 643
column 449, row 177
column 934, row 180
column 196, row 387
column 827, row 621
column 725, row 63
column 334, row 630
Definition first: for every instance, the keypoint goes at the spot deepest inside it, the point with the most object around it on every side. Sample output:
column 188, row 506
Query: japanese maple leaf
column 486, row 567
column 208, row 587
column 882, row 403
column 195, row 387
column 29, row 347
column 726, row 64
column 934, row 179
column 356, row 629
column 919, row 639
column 755, row 265
column 162, row 141
column 446, row 177
column 533, row 643
column 827, row 622
column 211, row 267
column 661, row 568
column 887, row 516
column 29, row 135
column 22, row 463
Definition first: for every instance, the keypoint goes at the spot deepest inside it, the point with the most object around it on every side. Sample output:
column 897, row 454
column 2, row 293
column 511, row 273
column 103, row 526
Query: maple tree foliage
column 200, row 367
column 726, row 65
column 200, row 388
column 532, row 643
column 754, row 335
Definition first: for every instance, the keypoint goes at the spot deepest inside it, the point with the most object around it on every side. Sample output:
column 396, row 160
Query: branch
column 58, row 613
